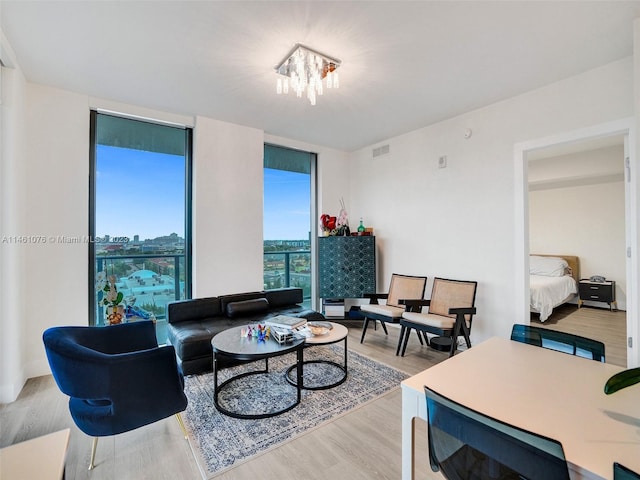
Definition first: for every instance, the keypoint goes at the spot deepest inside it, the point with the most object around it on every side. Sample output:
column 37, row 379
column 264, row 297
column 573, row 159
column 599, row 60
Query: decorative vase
column 115, row 314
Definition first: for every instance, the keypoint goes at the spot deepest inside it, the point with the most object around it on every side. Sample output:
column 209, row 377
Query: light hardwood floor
column 609, row 327
column 364, row 444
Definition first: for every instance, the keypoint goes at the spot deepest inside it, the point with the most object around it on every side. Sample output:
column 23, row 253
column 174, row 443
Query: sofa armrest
column 281, row 297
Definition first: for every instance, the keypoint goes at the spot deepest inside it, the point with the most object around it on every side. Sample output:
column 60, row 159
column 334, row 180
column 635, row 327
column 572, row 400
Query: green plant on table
column 621, row 380
column 111, row 297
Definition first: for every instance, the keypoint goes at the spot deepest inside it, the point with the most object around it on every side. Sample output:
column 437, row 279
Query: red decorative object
column 328, row 221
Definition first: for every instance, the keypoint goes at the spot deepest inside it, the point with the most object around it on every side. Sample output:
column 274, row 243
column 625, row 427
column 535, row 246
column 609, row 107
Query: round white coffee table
column 338, row 333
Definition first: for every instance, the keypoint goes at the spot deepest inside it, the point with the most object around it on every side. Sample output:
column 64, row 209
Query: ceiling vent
column 383, row 150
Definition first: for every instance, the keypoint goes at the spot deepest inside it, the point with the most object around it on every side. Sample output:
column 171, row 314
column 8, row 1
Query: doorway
column 576, row 207
column 572, row 141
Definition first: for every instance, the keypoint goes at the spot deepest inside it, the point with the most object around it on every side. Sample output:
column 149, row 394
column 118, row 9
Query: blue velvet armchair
column 118, row 378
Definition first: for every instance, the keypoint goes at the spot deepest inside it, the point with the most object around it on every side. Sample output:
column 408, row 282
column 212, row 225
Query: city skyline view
column 129, row 204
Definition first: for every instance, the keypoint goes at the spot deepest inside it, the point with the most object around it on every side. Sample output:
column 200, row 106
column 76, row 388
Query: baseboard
column 9, row 392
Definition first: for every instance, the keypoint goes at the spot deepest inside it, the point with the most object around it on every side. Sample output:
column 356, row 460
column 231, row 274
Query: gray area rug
column 220, row 442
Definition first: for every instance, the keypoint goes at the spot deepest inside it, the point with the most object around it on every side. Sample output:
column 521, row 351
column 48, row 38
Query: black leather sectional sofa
column 193, row 323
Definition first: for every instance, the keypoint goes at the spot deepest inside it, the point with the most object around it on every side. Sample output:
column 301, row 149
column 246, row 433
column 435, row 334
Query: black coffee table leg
column 219, row 388
column 299, row 364
column 299, row 379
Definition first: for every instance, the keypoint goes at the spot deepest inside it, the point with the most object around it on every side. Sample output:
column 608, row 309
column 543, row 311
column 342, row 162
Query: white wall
column 12, row 220
column 227, row 208
column 55, row 204
column 578, row 168
column 633, row 232
column 459, row 221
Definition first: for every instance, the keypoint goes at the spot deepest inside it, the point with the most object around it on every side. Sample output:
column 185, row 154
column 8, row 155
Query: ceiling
column 406, row 65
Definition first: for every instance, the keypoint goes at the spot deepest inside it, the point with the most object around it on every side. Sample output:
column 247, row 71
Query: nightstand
column 598, row 292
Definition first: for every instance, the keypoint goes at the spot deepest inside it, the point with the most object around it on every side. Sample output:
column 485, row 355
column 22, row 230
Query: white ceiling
column 405, row 64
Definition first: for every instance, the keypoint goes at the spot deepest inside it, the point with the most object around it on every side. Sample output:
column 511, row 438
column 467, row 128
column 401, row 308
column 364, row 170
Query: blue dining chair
column 467, row 445
column 560, row 341
column 620, row 472
column 117, row 377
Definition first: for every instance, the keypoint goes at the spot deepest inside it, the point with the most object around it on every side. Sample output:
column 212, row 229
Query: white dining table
column 40, row 458
column 546, row 392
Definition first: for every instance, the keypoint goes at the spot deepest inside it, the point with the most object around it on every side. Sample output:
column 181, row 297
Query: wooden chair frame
column 374, row 300
column 461, row 327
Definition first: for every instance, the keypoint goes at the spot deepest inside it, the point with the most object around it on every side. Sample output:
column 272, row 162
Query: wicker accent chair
column 450, row 313
column 401, row 287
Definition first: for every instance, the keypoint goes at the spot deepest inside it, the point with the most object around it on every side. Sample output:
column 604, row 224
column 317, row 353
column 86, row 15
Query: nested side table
column 338, row 333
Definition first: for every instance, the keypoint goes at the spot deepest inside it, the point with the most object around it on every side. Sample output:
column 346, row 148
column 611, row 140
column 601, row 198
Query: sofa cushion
column 194, row 309
column 430, row 320
column 384, row 310
column 193, row 339
column 237, row 297
column 246, row 307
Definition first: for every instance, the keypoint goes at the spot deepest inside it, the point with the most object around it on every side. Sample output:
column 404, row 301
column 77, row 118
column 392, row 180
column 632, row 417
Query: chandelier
column 304, row 69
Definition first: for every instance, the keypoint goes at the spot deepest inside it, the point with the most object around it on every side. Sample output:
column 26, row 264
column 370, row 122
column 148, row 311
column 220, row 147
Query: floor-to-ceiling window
column 289, row 178
column 139, row 219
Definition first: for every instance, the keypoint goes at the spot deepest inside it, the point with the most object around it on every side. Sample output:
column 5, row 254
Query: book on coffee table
column 283, row 321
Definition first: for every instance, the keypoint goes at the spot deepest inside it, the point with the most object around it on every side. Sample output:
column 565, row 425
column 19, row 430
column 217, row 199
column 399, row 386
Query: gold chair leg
column 94, row 446
column 184, row 430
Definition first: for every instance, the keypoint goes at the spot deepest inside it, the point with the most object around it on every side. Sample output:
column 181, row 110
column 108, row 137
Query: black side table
column 598, row 292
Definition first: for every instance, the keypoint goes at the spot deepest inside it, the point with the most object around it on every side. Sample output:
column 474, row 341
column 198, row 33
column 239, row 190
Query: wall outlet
column 442, row 161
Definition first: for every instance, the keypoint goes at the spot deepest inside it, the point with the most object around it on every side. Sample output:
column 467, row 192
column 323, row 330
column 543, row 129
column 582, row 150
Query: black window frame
column 188, row 247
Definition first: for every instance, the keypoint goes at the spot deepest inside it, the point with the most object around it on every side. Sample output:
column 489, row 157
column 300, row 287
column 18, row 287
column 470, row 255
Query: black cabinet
column 346, row 266
column 597, row 292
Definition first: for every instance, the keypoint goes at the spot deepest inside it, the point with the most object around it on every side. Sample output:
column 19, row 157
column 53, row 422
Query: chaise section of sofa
column 193, row 323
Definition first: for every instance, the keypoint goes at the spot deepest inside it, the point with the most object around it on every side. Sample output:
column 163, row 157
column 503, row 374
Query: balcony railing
column 152, row 279
column 288, row 269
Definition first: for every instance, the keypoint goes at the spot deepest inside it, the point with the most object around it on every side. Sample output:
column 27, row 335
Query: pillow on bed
column 548, row 266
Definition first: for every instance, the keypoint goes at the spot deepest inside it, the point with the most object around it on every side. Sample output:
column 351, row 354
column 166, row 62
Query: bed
column 553, row 280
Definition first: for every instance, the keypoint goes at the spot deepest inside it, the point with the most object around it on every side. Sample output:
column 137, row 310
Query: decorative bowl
column 319, row 328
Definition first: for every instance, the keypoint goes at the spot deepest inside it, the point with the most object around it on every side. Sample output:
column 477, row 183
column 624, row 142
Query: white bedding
column 549, row 292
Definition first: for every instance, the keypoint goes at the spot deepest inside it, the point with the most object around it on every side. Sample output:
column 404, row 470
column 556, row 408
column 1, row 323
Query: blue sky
column 139, row 192
column 142, row 193
column 287, row 200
